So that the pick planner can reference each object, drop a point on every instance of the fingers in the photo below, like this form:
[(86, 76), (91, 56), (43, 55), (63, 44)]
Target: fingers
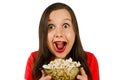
[(45, 77), (82, 71), (43, 73), (79, 77), (83, 75)]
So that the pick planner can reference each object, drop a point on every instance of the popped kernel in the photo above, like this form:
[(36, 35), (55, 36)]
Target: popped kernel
[(61, 69)]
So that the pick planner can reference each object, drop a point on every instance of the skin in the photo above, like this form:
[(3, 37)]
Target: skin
[(60, 28), (83, 75)]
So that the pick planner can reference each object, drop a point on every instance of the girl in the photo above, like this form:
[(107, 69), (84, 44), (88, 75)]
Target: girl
[(59, 38)]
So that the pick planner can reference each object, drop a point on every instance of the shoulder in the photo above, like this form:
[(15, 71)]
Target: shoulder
[(29, 65), (34, 54), (91, 58), (89, 54), (93, 65)]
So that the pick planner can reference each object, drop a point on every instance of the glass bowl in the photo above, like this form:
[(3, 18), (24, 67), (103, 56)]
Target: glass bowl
[(62, 74)]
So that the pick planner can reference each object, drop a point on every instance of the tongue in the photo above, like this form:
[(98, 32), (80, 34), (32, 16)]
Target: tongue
[(60, 45)]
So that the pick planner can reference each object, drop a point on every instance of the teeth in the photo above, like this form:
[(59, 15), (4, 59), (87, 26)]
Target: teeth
[(55, 46), (59, 45)]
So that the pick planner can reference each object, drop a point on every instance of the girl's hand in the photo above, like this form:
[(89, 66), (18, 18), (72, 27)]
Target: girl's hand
[(83, 75), (45, 77)]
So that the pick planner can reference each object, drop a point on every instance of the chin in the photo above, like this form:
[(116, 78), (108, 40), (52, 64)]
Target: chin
[(61, 56)]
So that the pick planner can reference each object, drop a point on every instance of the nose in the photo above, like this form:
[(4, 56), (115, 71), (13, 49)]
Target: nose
[(59, 33)]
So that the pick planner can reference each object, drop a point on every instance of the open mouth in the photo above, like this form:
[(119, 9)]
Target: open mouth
[(60, 46)]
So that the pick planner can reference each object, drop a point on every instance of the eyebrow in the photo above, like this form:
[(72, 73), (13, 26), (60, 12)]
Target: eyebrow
[(64, 19), (67, 19)]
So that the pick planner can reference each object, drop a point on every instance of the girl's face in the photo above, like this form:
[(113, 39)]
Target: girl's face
[(61, 35)]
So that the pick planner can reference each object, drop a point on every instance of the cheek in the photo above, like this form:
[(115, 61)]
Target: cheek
[(49, 38), (70, 35)]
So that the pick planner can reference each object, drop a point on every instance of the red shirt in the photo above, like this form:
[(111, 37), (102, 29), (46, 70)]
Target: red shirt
[(92, 62)]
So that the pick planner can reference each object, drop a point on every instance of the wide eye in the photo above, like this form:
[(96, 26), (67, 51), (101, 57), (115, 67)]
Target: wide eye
[(66, 25), (51, 26)]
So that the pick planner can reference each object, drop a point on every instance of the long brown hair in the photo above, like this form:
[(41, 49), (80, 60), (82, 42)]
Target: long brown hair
[(44, 55)]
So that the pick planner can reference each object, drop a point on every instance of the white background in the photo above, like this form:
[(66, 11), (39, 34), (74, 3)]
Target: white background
[(99, 23)]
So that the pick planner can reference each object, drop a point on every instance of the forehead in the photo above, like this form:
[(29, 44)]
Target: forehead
[(60, 14)]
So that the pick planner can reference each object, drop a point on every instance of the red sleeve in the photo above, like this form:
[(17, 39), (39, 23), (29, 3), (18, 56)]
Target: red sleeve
[(93, 64), (29, 66)]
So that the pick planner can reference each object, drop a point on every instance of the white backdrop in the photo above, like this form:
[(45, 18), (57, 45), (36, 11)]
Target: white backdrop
[(99, 23)]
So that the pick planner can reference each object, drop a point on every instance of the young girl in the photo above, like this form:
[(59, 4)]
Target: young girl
[(59, 38)]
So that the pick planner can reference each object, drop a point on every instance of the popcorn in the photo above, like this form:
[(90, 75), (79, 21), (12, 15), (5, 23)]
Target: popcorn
[(61, 69)]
